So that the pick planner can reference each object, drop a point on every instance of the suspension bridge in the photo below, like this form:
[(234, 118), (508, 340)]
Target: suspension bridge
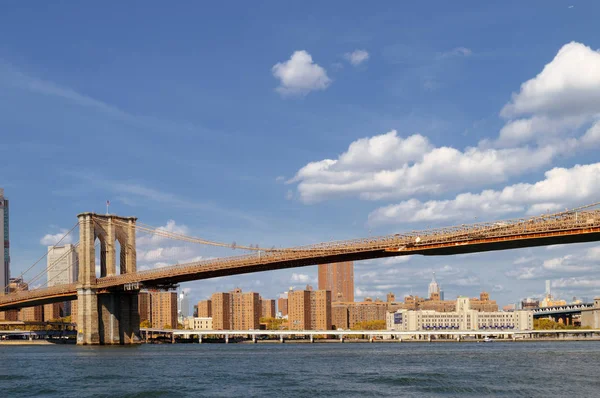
[(107, 303)]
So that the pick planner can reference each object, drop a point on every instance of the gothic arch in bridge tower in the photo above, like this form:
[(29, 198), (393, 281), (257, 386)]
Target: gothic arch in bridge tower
[(108, 316), (112, 231)]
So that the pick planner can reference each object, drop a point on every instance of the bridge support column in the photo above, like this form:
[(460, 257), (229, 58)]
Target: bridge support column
[(87, 316), (118, 318), (281, 339), (312, 338), (112, 317)]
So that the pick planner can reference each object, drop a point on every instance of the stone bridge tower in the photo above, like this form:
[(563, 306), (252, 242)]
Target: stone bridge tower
[(106, 317)]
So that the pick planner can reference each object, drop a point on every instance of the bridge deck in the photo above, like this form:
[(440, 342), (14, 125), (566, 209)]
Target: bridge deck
[(561, 228)]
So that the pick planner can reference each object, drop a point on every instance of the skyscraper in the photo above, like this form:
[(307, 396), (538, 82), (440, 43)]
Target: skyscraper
[(62, 265), (4, 243), (183, 304), (434, 287), (339, 279)]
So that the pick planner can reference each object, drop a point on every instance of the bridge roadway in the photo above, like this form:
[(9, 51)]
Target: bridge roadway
[(560, 228)]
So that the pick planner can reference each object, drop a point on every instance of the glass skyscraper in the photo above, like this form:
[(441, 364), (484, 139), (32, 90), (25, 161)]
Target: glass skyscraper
[(5, 242)]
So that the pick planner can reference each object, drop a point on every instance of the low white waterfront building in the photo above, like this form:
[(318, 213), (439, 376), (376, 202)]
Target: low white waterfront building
[(464, 318), (201, 323)]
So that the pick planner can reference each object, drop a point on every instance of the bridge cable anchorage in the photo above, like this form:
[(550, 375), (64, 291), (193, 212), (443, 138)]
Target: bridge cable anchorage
[(45, 271), (46, 254)]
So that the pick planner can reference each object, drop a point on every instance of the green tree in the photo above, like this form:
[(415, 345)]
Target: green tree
[(145, 323)]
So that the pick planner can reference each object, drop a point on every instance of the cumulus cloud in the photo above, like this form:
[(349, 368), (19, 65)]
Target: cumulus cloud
[(579, 282), (53, 239), (155, 251), (357, 57), (563, 97), (562, 188), (542, 123), (145, 239), (389, 166), (300, 75), (584, 262), (570, 83), (302, 278)]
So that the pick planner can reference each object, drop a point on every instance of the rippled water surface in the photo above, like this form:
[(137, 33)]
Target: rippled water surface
[(303, 370)]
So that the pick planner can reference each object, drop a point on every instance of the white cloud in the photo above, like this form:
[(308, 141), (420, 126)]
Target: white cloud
[(554, 114), (146, 239), (357, 57), (300, 75), (562, 188), (580, 282), (468, 281), (389, 166), (302, 278), (525, 273), (570, 84), (53, 239), (563, 97), (568, 263)]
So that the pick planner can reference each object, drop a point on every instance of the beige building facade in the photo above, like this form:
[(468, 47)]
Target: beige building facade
[(163, 309), (267, 308), (205, 309), (464, 318), (221, 311), (201, 323), (299, 310)]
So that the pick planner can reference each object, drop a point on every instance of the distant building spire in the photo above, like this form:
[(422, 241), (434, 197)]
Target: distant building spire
[(434, 287)]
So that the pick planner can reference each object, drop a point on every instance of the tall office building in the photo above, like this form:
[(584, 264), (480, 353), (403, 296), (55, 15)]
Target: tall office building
[(339, 279), (62, 265), (183, 306), (4, 243), (434, 288)]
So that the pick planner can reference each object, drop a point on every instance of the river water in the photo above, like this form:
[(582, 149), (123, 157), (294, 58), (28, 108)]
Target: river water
[(528, 369)]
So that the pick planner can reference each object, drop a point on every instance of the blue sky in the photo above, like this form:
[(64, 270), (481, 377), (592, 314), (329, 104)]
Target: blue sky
[(288, 124)]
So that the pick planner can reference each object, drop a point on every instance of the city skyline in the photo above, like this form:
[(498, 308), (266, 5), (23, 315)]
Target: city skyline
[(392, 124)]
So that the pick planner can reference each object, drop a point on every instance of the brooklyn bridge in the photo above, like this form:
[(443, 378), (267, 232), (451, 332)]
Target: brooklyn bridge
[(108, 300)]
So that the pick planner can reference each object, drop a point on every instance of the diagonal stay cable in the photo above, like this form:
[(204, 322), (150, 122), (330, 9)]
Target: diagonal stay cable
[(44, 256)]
